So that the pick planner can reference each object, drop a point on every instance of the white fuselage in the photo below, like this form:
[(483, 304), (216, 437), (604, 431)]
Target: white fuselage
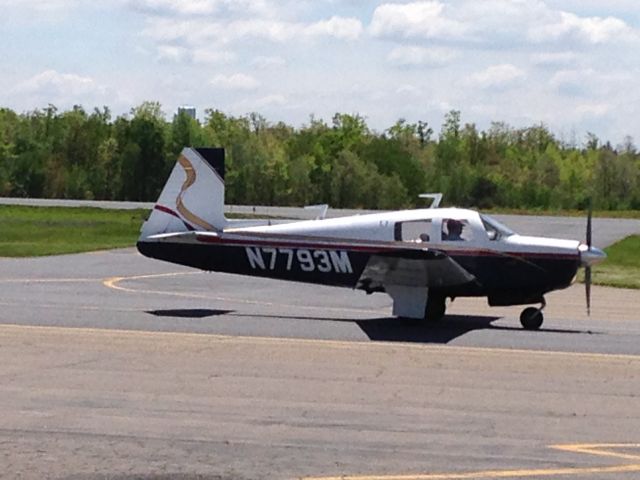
[(382, 227)]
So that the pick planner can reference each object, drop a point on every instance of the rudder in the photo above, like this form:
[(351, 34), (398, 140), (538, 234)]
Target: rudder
[(193, 197)]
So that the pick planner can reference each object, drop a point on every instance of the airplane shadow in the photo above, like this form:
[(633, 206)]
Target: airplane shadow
[(392, 329), (389, 329), (189, 313)]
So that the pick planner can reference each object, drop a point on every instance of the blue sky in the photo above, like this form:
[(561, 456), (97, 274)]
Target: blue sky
[(572, 64)]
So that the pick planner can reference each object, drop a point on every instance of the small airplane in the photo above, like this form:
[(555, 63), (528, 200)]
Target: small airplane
[(420, 257)]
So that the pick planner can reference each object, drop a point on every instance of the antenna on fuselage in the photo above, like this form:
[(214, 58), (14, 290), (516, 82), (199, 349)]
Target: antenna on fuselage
[(322, 208), (436, 197)]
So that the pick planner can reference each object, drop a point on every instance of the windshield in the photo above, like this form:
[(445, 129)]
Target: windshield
[(495, 229)]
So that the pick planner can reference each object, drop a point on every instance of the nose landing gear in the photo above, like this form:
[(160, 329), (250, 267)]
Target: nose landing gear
[(532, 318)]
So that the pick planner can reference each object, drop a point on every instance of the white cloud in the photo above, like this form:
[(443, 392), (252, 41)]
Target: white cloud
[(40, 5), (554, 59), (273, 30), (593, 109), (33, 12), (426, 19), (195, 32), (179, 7), (171, 52), (628, 6), (272, 103), (212, 55), (413, 55), (50, 79), (268, 62), (235, 81), (275, 99), (498, 77), (198, 7), (409, 90), (495, 22), (337, 27), (63, 90), (592, 30), (180, 54)]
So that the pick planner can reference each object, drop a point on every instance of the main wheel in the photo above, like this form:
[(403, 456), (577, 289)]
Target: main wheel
[(531, 318), (435, 308)]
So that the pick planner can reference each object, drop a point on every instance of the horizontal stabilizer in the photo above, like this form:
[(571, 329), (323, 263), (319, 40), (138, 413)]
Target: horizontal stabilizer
[(180, 237)]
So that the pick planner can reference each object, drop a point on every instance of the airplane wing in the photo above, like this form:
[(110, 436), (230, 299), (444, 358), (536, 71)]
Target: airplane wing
[(412, 268)]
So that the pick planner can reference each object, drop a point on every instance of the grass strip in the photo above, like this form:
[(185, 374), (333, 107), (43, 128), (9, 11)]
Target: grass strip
[(36, 231), (27, 231), (622, 267)]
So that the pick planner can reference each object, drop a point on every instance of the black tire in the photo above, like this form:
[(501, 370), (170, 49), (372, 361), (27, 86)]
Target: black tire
[(531, 318), (436, 307)]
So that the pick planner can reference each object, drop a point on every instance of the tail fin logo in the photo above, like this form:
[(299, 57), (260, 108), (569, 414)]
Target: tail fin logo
[(189, 181)]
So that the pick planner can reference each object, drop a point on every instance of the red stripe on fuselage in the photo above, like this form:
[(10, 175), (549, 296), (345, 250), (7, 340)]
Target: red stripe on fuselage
[(280, 243)]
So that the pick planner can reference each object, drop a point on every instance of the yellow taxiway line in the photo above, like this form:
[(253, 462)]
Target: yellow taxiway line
[(591, 449), (601, 449), (114, 283)]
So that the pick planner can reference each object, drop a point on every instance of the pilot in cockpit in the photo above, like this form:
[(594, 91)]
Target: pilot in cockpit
[(454, 230)]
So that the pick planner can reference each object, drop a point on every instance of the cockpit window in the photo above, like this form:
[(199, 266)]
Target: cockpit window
[(417, 231), (454, 230), (495, 229)]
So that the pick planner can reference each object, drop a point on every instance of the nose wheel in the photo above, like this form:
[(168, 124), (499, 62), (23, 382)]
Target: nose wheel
[(532, 318)]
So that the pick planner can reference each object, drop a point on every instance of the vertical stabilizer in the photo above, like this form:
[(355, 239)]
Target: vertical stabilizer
[(193, 197)]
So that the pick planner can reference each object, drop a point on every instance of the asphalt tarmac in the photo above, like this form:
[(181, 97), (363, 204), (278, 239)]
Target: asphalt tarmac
[(117, 366)]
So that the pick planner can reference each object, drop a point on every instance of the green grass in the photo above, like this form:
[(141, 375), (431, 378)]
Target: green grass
[(622, 266), (37, 231)]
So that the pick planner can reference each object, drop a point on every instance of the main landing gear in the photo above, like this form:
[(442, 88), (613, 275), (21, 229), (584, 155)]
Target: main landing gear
[(531, 318), (435, 309)]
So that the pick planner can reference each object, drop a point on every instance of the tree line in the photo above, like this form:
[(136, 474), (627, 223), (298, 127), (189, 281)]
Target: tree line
[(90, 155)]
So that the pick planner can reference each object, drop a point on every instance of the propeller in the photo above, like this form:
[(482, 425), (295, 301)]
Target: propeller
[(587, 270), (589, 215), (589, 256)]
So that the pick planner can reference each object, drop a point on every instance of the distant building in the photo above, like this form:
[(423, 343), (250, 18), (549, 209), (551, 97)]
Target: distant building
[(188, 109)]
